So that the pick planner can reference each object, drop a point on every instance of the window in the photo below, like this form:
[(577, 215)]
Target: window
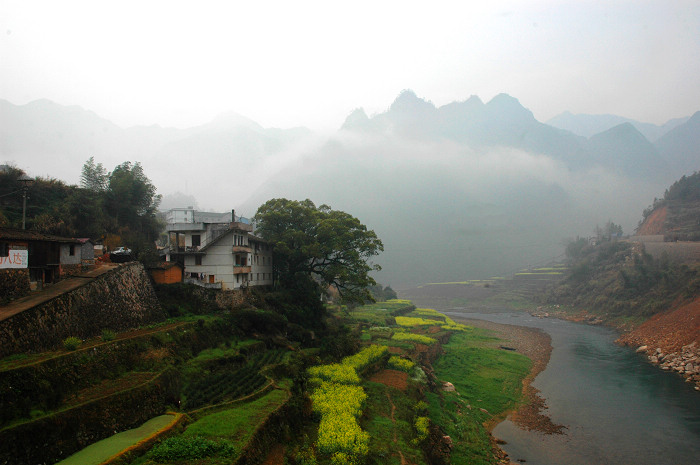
[(197, 259), (71, 250), (238, 278), (196, 240), (4, 249)]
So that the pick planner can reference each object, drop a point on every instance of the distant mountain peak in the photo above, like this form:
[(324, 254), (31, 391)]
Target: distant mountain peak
[(509, 108), (474, 100), (231, 119), (358, 119), (626, 130), (409, 102)]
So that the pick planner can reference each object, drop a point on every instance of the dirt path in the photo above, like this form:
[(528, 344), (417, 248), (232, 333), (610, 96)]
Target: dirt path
[(393, 420)]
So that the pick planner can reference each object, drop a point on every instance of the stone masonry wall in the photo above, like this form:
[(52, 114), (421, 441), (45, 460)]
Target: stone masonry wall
[(118, 300), (14, 283)]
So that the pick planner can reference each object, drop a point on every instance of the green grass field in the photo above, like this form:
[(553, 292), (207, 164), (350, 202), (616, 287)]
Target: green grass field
[(239, 422), (100, 451), (485, 378), (388, 419)]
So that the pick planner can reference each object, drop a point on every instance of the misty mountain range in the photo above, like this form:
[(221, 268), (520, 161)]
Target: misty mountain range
[(465, 190)]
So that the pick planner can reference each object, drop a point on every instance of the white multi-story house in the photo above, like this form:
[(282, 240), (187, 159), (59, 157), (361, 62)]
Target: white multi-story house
[(218, 250)]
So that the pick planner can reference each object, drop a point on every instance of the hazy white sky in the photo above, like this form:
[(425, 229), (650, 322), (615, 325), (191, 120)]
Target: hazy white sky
[(288, 63)]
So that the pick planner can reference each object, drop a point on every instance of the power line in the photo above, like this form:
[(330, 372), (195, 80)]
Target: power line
[(5, 195)]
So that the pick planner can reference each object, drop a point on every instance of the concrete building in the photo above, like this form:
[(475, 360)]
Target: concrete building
[(217, 250)]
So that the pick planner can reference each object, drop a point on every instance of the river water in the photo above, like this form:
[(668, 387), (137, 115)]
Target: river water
[(617, 408)]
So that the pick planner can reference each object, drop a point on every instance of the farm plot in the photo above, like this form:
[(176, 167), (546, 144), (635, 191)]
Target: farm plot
[(229, 384)]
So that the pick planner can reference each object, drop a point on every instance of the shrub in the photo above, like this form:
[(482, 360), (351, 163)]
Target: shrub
[(335, 373), (262, 321), (401, 364), (71, 343), (306, 456), (108, 335), (456, 327), (427, 312), (421, 425), (337, 399), (419, 376), (420, 406), (366, 357), (413, 338), (341, 458), (340, 403), (413, 321), (195, 447), (342, 433)]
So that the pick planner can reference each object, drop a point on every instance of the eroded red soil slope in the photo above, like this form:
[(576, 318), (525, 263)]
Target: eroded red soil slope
[(670, 330), (654, 224)]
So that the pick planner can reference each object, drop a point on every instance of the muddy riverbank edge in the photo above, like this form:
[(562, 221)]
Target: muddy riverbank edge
[(536, 345)]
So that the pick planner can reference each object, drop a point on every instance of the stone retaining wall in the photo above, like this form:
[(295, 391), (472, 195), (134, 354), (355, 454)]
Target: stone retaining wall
[(14, 283), (118, 300), (55, 437)]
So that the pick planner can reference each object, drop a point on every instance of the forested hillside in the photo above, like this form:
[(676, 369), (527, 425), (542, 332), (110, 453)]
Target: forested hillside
[(119, 206), (618, 280)]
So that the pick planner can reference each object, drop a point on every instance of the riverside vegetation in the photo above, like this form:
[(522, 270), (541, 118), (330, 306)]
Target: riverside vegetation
[(367, 387)]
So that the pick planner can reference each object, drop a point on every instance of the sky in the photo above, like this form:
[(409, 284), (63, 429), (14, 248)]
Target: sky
[(311, 63)]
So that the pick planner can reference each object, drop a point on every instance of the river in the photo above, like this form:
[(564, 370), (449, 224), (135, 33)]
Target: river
[(617, 408)]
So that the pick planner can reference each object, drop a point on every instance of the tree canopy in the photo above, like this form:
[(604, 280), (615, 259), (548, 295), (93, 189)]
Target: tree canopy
[(329, 245), (120, 206), (93, 177)]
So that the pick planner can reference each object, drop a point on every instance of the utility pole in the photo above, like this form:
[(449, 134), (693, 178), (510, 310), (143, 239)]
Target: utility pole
[(25, 181)]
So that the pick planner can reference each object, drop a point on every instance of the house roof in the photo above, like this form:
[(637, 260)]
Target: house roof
[(255, 238), (11, 234)]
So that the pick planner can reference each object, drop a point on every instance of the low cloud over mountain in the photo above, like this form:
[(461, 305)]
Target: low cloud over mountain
[(465, 190)]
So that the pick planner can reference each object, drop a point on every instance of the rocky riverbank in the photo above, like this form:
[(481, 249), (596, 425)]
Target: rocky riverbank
[(670, 340), (685, 362)]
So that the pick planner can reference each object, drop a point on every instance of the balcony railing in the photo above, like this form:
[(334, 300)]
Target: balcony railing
[(238, 269)]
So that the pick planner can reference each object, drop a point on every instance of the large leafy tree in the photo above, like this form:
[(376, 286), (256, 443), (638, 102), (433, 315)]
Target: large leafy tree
[(132, 200), (330, 246)]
